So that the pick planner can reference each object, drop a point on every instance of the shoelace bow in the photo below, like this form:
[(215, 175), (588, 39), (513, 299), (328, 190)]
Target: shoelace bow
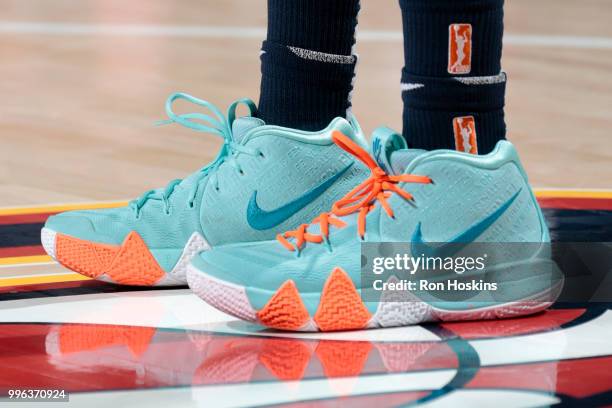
[(363, 198), (218, 124)]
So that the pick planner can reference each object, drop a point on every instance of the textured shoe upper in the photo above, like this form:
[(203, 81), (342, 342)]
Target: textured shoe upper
[(289, 175), (465, 190), (298, 177)]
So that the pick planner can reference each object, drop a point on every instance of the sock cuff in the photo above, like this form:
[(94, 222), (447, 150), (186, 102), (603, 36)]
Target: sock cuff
[(447, 38), (319, 25), (304, 65), (476, 94)]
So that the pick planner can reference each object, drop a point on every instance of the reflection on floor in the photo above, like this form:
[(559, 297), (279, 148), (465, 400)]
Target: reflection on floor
[(110, 345)]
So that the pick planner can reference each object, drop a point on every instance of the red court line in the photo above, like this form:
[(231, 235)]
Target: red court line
[(549, 320), (22, 251), (24, 218), (580, 378), (575, 203), (41, 287)]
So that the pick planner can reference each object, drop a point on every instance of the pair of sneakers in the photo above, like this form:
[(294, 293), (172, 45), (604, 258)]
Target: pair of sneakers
[(271, 230)]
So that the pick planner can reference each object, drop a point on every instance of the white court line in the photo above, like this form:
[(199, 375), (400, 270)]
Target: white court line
[(22, 265), (240, 32), (64, 204), (38, 275)]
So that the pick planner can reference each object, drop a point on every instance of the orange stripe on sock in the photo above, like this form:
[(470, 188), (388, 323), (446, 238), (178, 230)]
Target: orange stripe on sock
[(285, 309), (341, 307)]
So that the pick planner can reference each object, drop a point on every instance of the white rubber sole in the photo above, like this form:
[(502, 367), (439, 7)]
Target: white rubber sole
[(176, 277), (232, 299)]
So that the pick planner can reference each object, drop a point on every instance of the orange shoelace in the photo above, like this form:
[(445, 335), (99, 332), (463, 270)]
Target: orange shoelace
[(363, 198)]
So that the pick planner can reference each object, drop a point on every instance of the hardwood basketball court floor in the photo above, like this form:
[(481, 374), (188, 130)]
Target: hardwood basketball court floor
[(82, 84)]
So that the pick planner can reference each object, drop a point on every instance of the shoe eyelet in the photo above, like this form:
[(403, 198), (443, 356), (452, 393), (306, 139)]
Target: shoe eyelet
[(261, 154), (241, 172)]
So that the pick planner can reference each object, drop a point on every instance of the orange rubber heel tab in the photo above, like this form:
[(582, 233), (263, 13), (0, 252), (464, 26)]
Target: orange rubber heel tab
[(87, 258), (285, 309), (129, 264), (341, 307)]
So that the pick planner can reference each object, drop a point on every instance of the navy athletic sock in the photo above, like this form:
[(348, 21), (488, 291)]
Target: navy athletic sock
[(307, 63), (452, 85)]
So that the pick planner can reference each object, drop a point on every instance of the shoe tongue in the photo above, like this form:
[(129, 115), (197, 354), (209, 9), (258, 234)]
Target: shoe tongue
[(385, 142), (391, 151), (243, 125)]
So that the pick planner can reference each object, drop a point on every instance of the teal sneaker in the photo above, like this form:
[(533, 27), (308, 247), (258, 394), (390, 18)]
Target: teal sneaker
[(265, 179), (310, 278)]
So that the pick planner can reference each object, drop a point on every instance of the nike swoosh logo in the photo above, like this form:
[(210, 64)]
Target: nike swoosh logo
[(465, 237), (262, 220)]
